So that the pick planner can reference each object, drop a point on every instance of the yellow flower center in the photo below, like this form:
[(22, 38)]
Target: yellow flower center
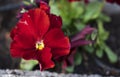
[(40, 45)]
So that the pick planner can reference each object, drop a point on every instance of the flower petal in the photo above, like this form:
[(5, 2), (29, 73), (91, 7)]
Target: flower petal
[(40, 20), (19, 50), (44, 6), (45, 58), (56, 40), (24, 53), (23, 40), (55, 21), (25, 35), (58, 52), (13, 32), (15, 52), (29, 54)]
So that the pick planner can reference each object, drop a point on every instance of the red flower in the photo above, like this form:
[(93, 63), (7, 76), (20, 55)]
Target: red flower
[(38, 36)]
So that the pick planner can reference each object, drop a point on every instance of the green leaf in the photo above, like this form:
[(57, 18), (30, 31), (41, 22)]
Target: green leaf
[(26, 2), (54, 9), (104, 18), (102, 33), (77, 58), (70, 69), (111, 55), (76, 10), (93, 10), (89, 49), (99, 53), (79, 26), (94, 35), (28, 64)]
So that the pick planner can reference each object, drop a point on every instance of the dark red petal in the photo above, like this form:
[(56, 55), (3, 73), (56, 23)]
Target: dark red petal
[(44, 6), (26, 24), (58, 52), (29, 54), (22, 43), (55, 21), (13, 32), (26, 20), (17, 49), (40, 20), (14, 51), (24, 53), (56, 40), (45, 58), (24, 39), (25, 35)]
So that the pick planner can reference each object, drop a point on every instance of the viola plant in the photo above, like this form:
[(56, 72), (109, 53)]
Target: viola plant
[(76, 15), (59, 34), (38, 36)]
